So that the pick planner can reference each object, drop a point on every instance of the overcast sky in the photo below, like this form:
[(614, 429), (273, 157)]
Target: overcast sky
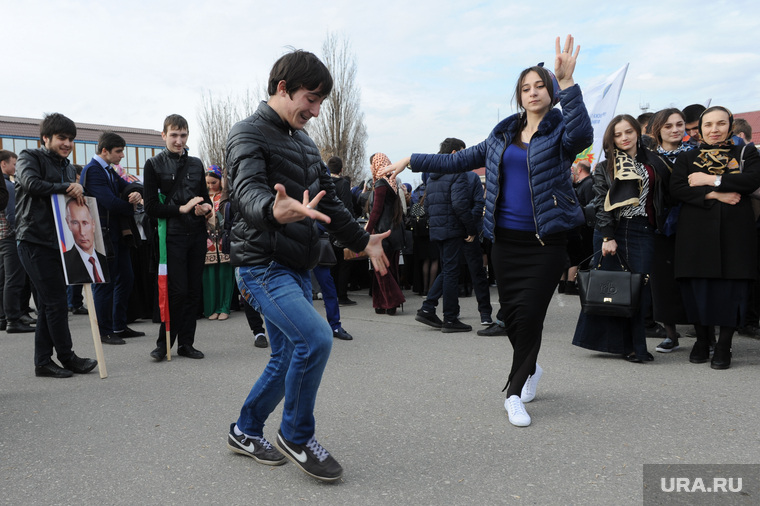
[(427, 69)]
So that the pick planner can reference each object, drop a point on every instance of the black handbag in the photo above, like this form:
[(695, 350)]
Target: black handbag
[(326, 252), (610, 293)]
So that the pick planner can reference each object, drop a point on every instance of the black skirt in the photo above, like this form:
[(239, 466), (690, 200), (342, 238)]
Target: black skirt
[(667, 304), (720, 302)]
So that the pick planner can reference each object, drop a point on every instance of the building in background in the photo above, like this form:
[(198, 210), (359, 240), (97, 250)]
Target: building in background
[(17, 134)]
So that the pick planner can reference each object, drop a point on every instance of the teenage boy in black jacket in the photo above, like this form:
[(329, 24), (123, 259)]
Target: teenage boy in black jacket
[(280, 187), (41, 173)]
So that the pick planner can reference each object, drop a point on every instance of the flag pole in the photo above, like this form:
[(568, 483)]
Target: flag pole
[(163, 282)]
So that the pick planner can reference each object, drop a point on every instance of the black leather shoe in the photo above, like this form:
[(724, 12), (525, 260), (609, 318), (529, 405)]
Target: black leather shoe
[(112, 339), (52, 370), (189, 352), (158, 354), (79, 310), (346, 302), (493, 330), (3, 324), (339, 333), (25, 318), (18, 327), (80, 365), (721, 359), (127, 332), (699, 354)]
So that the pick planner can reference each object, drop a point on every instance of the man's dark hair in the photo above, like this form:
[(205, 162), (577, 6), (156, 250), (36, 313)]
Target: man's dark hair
[(175, 121), (6, 155), (451, 144), (78, 168), (57, 124), (300, 69), (584, 166), (110, 141), (691, 113), (741, 125), (335, 164), (644, 120)]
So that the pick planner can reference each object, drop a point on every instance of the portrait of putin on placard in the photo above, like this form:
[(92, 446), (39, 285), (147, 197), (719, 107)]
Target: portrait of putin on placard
[(81, 240)]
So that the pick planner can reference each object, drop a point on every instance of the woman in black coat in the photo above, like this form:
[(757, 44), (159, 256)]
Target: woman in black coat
[(716, 250)]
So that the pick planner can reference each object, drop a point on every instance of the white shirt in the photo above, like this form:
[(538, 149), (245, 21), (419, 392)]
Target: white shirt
[(86, 259)]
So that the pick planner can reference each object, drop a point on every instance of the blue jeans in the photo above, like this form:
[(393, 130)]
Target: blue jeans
[(301, 341), (329, 295), (74, 296)]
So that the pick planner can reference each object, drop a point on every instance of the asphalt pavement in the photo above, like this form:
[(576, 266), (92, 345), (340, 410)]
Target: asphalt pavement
[(413, 415)]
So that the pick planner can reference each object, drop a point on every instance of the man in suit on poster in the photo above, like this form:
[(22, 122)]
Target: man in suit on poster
[(83, 263)]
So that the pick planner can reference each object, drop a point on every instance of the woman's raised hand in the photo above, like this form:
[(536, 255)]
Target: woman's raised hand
[(564, 62), (394, 169)]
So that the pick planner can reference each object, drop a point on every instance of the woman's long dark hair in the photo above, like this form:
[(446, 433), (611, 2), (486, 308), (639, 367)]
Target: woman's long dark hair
[(608, 141)]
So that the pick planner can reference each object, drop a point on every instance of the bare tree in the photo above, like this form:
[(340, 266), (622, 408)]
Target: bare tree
[(339, 130), (217, 115)]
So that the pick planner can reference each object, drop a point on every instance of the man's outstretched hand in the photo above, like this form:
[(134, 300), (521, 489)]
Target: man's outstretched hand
[(289, 210), (376, 254)]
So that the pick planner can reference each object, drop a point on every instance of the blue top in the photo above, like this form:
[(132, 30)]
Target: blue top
[(514, 209)]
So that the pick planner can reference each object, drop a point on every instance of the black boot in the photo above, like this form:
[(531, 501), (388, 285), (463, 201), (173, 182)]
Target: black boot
[(722, 357), (700, 353)]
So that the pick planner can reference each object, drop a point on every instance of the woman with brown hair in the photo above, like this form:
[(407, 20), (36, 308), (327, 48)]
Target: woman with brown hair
[(667, 127), (625, 184)]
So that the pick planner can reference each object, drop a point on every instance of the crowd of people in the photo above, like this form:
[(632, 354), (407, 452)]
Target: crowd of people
[(272, 216)]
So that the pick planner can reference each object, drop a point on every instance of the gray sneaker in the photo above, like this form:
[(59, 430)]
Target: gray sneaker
[(258, 448)]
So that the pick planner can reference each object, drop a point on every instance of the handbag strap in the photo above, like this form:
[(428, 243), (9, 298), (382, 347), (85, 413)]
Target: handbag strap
[(620, 258)]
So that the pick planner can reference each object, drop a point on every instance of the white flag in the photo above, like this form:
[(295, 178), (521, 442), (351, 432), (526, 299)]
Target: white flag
[(601, 100)]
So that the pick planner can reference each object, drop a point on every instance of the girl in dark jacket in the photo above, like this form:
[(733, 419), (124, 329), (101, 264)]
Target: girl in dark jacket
[(624, 186), (716, 250), (386, 214), (667, 127), (530, 206)]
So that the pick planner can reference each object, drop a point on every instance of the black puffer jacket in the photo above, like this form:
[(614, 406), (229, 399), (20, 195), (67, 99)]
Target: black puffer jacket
[(262, 151), (39, 174)]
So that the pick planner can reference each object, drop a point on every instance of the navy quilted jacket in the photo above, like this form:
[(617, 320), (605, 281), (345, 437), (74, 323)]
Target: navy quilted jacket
[(449, 204), (560, 137)]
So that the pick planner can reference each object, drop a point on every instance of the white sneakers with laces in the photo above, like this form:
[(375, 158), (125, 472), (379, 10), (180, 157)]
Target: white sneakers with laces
[(516, 411), (529, 388)]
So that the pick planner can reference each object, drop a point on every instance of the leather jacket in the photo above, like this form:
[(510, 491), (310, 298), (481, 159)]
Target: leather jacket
[(39, 174), (159, 174)]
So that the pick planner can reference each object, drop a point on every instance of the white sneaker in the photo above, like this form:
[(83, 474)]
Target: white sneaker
[(529, 388), (516, 411)]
